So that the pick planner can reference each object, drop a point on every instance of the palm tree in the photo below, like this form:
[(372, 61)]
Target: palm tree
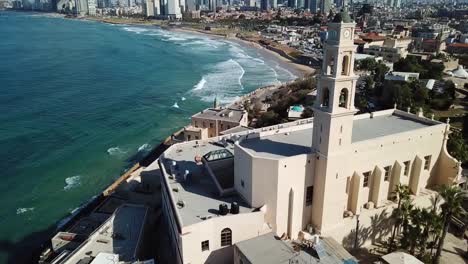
[(427, 218), (452, 206), (402, 193), (405, 220)]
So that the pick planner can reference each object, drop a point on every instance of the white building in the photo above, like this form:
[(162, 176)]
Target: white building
[(173, 9), (310, 175), (402, 76)]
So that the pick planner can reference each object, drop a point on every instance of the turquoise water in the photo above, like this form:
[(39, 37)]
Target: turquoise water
[(79, 99)]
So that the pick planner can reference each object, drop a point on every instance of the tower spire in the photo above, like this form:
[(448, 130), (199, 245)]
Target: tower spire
[(334, 106)]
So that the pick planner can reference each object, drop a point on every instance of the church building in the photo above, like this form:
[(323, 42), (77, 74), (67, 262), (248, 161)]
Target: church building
[(308, 176)]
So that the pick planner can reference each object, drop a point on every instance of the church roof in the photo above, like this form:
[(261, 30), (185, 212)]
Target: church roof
[(281, 145)]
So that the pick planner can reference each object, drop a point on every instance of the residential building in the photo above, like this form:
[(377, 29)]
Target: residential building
[(173, 9), (92, 7), (402, 76), (150, 8), (392, 49), (212, 121), (310, 176)]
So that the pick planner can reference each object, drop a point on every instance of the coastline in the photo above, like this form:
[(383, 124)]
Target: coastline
[(95, 201), (299, 70)]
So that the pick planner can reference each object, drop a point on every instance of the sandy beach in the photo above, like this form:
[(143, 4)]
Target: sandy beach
[(297, 69)]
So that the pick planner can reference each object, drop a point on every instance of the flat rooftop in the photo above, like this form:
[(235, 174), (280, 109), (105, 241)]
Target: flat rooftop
[(119, 235), (223, 114), (385, 125), (280, 145), (299, 142), (198, 191), (269, 248)]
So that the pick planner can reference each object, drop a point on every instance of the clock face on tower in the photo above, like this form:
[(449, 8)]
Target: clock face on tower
[(346, 33)]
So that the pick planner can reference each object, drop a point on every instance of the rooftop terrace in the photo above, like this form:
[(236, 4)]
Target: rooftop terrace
[(197, 191), (119, 235)]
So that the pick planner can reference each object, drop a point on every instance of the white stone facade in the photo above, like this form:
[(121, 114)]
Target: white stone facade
[(311, 174)]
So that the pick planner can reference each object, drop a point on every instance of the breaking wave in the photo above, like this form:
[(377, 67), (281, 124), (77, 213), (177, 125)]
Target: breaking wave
[(72, 182), (223, 80), (199, 85), (137, 30)]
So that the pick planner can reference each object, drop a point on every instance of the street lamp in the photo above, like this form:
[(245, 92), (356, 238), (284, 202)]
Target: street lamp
[(357, 229)]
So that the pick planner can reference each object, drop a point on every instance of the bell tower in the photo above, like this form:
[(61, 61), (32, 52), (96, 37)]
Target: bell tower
[(334, 105), (333, 124)]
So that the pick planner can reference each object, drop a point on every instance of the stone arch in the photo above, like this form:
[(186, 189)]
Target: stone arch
[(344, 96), (325, 97), (345, 67)]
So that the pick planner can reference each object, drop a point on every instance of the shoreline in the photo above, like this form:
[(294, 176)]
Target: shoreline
[(94, 202), (299, 70)]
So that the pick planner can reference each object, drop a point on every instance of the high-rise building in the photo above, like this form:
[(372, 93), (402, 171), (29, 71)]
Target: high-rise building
[(325, 7), (292, 3), (81, 7), (173, 9), (149, 8), (274, 4), (300, 4), (92, 7), (313, 6), (264, 5)]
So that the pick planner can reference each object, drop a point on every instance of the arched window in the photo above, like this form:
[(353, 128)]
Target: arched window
[(343, 98), (345, 65), (331, 65), (325, 97), (226, 237)]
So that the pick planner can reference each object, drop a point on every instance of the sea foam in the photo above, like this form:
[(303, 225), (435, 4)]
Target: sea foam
[(24, 210), (223, 80), (144, 147), (200, 84), (115, 151), (72, 182), (135, 29)]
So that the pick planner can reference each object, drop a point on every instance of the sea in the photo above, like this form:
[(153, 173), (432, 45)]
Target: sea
[(82, 101)]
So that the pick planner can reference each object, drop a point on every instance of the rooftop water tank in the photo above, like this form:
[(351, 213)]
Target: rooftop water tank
[(223, 209), (234, 208)]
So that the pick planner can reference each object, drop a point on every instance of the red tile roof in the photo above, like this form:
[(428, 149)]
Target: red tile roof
[(372, 36), (459, 45)]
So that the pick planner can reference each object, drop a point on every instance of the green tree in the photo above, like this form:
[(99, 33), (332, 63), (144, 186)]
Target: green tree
[(369, 86), (420, 93), (465, 127), (452, 206), (457, 147), (379, 72), (402, 194), (367, 64)]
